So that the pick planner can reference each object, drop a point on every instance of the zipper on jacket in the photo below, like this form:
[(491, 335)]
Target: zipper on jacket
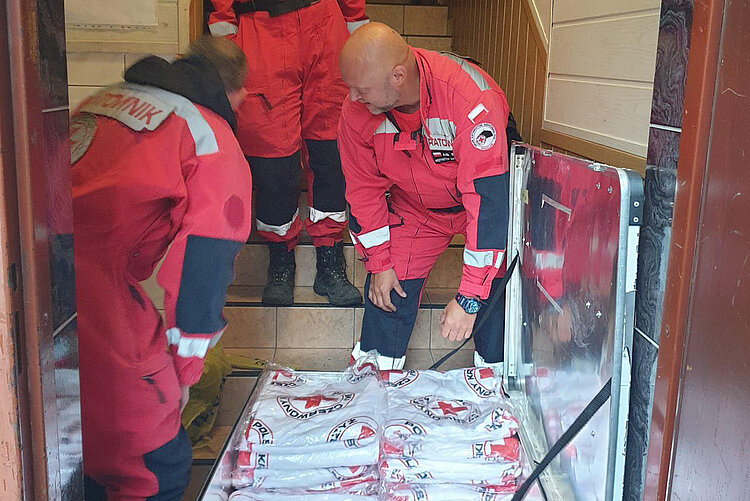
[(266, 102), (151, 382)]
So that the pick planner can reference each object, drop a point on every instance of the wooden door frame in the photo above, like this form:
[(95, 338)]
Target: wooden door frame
[(36, 377), (691, 168)]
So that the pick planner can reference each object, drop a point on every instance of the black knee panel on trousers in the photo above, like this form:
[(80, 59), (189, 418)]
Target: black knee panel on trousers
[(276, 184), (328, 182), (389, 332), (171, 463)]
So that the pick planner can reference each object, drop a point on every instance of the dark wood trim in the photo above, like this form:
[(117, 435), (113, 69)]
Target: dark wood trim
[(196, 19), (36, 336), (16, 460), (594, 151), (696, 129)]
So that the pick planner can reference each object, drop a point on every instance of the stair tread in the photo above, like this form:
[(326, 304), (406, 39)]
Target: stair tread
[(217, 438), (250, 295), (306, 240)]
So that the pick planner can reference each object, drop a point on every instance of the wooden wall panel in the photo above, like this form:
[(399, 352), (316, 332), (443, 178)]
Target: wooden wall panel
[(503, 37), (570, 10), (601, 71), (621, 48)]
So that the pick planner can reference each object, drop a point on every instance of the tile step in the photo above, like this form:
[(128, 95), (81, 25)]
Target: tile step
[(319, 328)]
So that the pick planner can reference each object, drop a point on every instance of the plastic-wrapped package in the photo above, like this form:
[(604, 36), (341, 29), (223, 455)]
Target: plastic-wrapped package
[(248, 495), (364, 434), (416, 413), (474, 384), (497, 451), (361, 491), (445, 492), (312, 479), (301, 411), (312, 430), (434, 471)]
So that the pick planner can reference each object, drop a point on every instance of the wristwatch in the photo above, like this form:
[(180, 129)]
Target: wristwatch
[(469, 304)]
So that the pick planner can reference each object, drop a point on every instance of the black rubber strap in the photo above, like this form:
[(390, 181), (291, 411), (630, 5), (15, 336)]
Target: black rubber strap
[(490, 304), (583, 418)]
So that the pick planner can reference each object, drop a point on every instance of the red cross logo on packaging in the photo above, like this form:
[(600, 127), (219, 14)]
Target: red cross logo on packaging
[(355, 432), (439, 409), (399, 379), (313, 405), (360, 372), (481, 381), (258, 432), (287, 379), (502, 419)]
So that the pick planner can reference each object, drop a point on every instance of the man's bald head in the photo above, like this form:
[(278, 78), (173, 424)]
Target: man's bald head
[(378, 67)]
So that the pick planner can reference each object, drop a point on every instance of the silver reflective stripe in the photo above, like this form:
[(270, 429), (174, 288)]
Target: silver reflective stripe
[(386, 127), (470, 70), (440, 127), (318, 215), (279, 230), (546, 260), (353, 25), (222, 28), (375, 237), (188, 346), (384, 363), (203, 135), (499, 261), (478, 259)]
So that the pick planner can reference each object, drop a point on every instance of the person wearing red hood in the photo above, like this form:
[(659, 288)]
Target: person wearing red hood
[(157, 173), (290, 118)]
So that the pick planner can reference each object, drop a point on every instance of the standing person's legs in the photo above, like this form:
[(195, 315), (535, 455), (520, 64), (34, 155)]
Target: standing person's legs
[(269, 131), (324, 30)]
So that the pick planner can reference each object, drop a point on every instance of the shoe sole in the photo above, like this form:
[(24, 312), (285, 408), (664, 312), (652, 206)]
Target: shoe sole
[(320, 292)]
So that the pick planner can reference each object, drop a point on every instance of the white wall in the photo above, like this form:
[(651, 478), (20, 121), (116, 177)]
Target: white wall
[(602, 55)]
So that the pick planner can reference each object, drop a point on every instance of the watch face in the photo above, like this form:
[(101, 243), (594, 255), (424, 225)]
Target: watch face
[(470, 305)]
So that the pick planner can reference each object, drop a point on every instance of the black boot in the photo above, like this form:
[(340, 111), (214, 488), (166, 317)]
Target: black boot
[(331, 281), (279, 290)]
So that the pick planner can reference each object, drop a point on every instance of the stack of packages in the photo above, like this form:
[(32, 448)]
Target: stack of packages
[(448, 436), (312, 436)]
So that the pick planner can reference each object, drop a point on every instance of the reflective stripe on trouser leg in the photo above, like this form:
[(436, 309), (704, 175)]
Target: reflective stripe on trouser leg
[(489, 339), (277, 187), (326, 187), (384, 363), (388, 332)]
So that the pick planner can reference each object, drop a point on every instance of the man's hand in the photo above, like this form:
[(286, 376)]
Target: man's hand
[(455, 323), (184, 397), (381, 285)]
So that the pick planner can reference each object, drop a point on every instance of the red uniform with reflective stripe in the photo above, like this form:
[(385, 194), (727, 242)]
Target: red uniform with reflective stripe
[(295, 93), (457, 161), (295, 88), (155, 171)]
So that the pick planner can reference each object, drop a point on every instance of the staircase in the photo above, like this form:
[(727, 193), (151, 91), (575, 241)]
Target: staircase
[(311, 334)]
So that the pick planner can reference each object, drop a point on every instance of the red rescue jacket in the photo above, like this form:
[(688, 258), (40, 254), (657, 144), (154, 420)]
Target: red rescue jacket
[(461, 159)]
